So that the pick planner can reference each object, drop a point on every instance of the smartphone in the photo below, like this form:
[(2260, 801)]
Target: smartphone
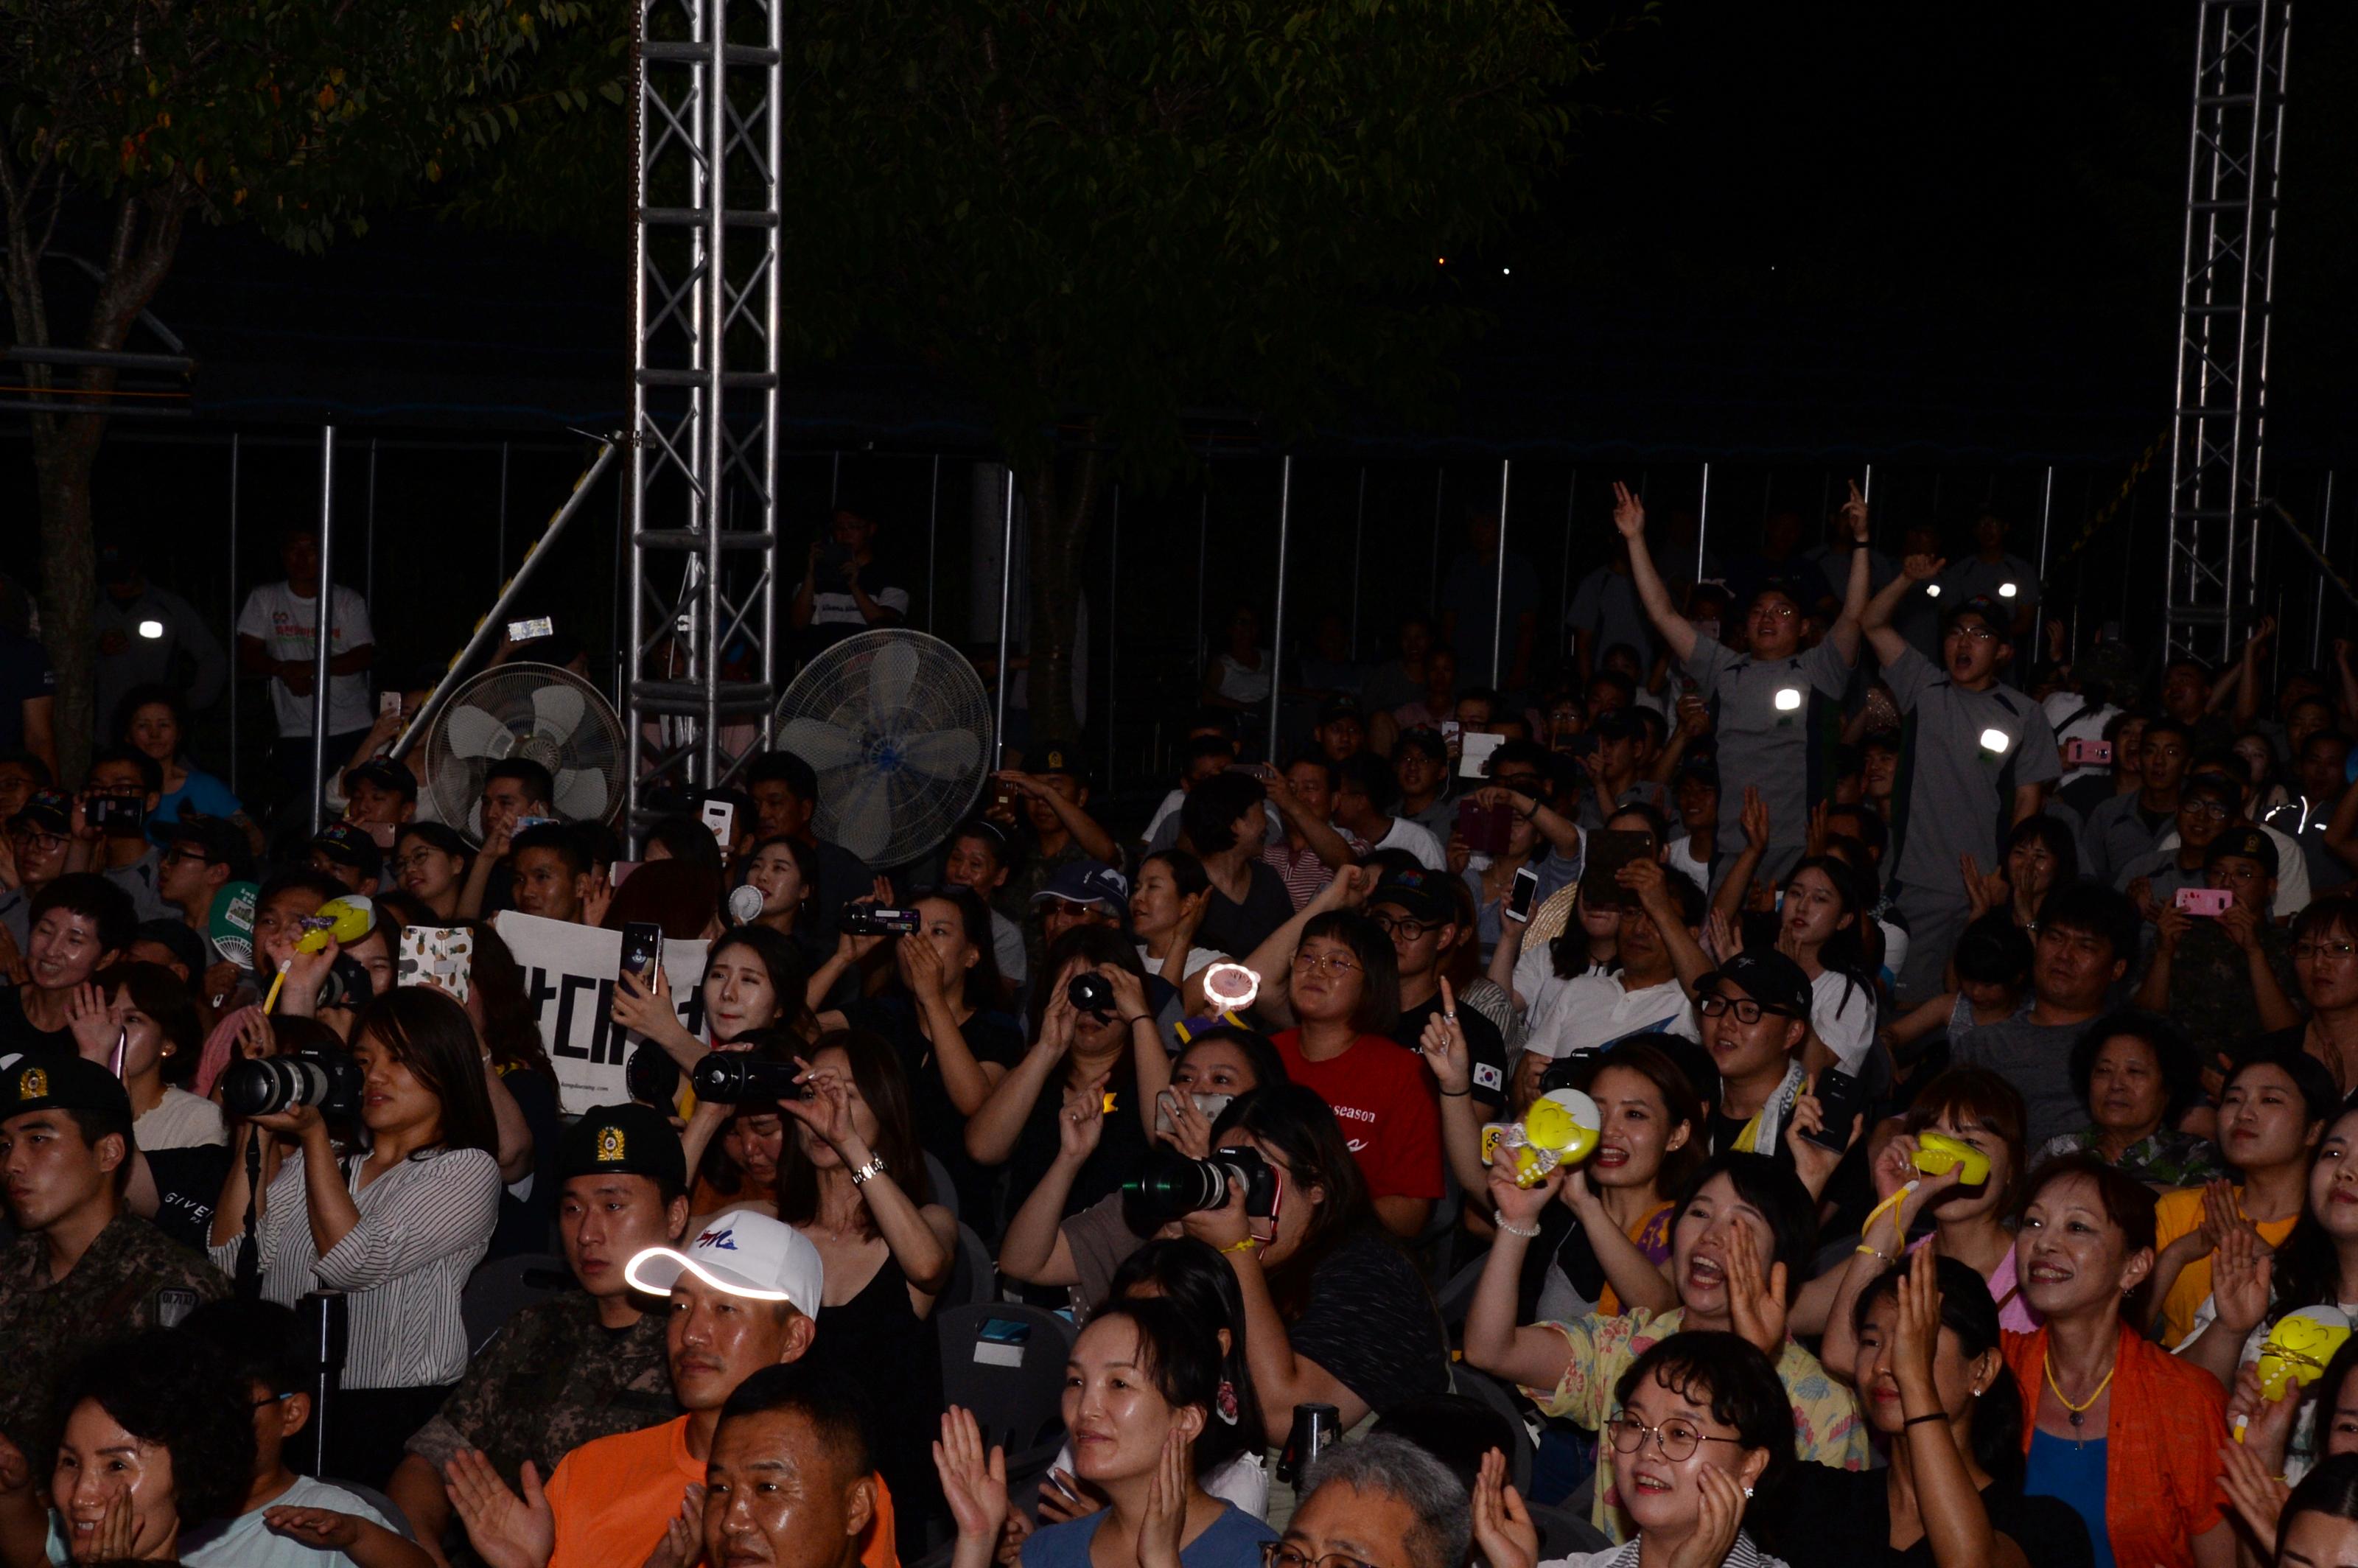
[(642, 948), (2203, 902), (1005, 1331), (526, 631), (382, 834), (387, 703), (1486, 829), (117, 815), (1842, 1099), (721, 815), (1608, 852), (1522, 895), (1208, 1105), (525, 823), (1003, 795), (1474, 755), (1451, 730), (2088, 753)]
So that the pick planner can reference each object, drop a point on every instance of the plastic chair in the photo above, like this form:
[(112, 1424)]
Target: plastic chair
[(397, 1521), (1496, 1396), (496, 1290), (945, 1190), (1016, 1389), (974, 1273), (1455, 1296), (1564, 1533)]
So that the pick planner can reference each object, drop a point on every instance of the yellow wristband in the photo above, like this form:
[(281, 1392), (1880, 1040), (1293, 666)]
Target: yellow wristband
[(1249, 1244), (1874, 1251)]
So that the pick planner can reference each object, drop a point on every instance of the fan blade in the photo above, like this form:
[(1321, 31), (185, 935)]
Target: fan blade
[(863, 822), (944, 753), (581, 795), (821, 744), (472, 732), (556, 712), (891, 671)]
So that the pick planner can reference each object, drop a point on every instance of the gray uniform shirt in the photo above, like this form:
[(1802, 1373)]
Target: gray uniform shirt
[(2116, 834), (1954, 790), (1784, 752), (2036, 1058)]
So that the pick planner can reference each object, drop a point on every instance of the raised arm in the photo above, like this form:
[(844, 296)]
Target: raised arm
[(1914, 572), (1629, 517), (1532, 1354), (1272, 961), (1844, 634)]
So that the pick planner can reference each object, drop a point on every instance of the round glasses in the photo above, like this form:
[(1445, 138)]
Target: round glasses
[(1676, 1438)]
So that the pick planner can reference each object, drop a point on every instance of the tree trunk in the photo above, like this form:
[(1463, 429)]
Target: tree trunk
[(70, 582), (1062, 495)]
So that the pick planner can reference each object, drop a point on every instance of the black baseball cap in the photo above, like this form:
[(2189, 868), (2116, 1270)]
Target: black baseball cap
[(627, 1139), (51, 810), (54, 1081), (1993, 614), (176, 937), (1065, 763), (1345, 706), (350, 845), (1421, 894), (222, 841), (1768, 977), (2248, 842), (385, 774), (1616, 724), (1702, 768), (1424, 740)]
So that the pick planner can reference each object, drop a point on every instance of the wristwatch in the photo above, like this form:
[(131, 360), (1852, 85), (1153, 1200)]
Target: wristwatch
[(875, 1167)]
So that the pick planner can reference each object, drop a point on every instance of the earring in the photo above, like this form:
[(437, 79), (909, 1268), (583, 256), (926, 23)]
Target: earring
[(1748, 1491)]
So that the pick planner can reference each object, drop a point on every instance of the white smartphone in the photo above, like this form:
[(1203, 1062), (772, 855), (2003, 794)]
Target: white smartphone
[(721, 815)]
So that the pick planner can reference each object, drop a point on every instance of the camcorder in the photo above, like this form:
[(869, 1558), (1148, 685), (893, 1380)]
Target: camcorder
[(1092, 993), (329, 1081), (1171, 1185), (739, 1078), (868, 920)]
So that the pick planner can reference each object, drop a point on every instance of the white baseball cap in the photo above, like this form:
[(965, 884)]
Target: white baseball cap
[(743, 1254)]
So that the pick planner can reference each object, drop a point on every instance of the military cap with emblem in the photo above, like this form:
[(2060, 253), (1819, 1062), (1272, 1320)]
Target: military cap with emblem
[(58, 1082), (623, 1140)]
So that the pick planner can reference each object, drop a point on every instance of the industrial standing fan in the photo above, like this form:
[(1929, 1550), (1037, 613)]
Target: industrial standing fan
[(540, 712)]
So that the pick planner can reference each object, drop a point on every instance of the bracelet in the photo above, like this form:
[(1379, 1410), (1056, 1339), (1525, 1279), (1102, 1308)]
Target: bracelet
[(1250, 1244), (1456, 1093), (1920, 1420), (1141, 1017), (1528, 1233), (875, 1167), (1873, 1251)]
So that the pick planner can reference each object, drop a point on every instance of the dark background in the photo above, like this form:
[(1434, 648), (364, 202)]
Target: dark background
[(1795, 240)]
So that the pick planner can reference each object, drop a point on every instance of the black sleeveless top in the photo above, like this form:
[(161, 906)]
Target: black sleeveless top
[(899, 1363)]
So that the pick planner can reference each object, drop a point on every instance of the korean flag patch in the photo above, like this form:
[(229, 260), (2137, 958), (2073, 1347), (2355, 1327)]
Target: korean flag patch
[(1487, 1077)]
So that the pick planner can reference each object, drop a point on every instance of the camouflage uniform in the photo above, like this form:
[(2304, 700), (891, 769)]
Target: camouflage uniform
[(132, 1277), (554, 1379), (2211, 987)]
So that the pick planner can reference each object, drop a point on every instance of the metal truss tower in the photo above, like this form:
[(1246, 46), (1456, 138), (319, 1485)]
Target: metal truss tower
[(703, 402), (2223, 343)]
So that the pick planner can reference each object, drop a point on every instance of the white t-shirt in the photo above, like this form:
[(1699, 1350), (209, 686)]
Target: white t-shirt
[(1417, 840), (182, 1120), (285, 622), (246, 1542), (1007, 947), (1843, 1012), (1589, 1011), (2089, 725), (1681, 858), (1198, 958)]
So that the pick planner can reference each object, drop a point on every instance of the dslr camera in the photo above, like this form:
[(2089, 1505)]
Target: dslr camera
[(1092, 993), (327, 1080), (1171, 1185), (868, 920), (737, 1077)]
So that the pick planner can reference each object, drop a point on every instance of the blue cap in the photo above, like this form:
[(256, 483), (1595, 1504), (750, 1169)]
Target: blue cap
[(1087, 881)]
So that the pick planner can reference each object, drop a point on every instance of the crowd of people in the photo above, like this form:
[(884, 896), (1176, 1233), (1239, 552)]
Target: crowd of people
[(1972, 1023)]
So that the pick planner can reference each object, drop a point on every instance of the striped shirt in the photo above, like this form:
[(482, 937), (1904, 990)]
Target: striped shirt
[(423, 1225)]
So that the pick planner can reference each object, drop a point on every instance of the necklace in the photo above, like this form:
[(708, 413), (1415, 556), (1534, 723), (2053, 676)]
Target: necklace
[(2077, 1412)]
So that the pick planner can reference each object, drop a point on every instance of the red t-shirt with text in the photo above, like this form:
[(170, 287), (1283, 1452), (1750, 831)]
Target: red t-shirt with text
[(1383, 1096)]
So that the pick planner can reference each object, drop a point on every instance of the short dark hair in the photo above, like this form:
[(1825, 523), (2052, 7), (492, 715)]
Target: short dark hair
[(95, 899), (294, 879), (1727, 1374), (1782, 1200), (688, 841), (1994, 951), (1420, 739), (151, 771), (261, 1341), (559, 838), (1318, 759), (2173, 1054), (1179, 1353), (1371, 776), (2096, 909), (2320, 1101), (1209, 814), (1528, 753), (170, 1388), (1378, 1008), (2331, 1490), (431, 1035), (786, 768), (18, 757), (825, 1395), (537, 783)]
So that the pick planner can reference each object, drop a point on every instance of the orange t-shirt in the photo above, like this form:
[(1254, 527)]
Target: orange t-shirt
[(615, 1496)]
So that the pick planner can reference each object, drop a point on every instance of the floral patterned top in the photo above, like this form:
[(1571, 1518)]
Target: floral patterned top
[(2165, 1159), (1827, 1429)]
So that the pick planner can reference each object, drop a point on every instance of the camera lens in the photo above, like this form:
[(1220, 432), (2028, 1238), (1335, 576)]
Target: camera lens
[(1173, 1185), (736, 1077), (1091, 993), (271, 1085)]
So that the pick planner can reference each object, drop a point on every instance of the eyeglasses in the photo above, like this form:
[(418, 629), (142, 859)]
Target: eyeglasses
[(2215, 810), (1746, 1010), (1677, 1439), (268, 1399), (1782, 611), (33, 840), (2303, 952), (183, 855), (1974, 634), (415, 860), (1332, 963), (1277, 1555), (1400, 927)]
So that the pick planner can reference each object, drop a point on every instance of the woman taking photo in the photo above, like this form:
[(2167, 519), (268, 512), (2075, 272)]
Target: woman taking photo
[(2121, 1431), (1334, 1313), (1047, 1243), (753, 979), (1817, 928), (1933, 1383), (1971, 1106), (1117, 1052), (1166, 909), (2138, 1075), (1141, 1396), (852, 1179), (430, 863), (1745, 1233), (936, 1012), (1702, 1427), (395, 1229)]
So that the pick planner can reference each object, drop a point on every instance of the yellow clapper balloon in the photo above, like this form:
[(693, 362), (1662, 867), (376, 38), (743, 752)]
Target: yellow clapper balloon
[(2295, 1351), (1561, 1129)]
